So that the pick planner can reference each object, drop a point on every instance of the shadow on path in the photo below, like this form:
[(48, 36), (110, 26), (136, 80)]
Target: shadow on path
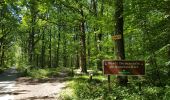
[(39, 89), (7, 84), (8, 75), (24, 88)]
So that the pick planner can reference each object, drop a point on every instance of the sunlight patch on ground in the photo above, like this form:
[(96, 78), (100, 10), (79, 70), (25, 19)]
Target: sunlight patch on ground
[(6, 90)]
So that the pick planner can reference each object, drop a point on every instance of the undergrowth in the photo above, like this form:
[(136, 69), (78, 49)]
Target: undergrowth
[(2, 69), (97, 89), (42, 73)]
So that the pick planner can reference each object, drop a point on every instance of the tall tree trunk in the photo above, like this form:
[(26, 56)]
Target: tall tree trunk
[(43, 49), (76, 39), (32, 33), (169, 52), (100, 34), (64, 51), (77, 59), (89, 48), (37, 60), (59, 36), (119, 44), (83, 43), (2, 55), (58, 46), (100, 38), (1, 50), (169, 59), (50, 59), (31, 45), (2, 31), (96, 39)]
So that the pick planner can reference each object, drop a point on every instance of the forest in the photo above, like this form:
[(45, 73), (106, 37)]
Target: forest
[(44, 37)]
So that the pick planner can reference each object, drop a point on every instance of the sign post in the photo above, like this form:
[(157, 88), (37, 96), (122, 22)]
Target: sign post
[(108, 81), (123, 67), (116, 37)]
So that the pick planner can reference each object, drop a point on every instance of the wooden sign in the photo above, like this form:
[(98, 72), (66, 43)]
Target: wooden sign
[(116, 37), (122, 67)]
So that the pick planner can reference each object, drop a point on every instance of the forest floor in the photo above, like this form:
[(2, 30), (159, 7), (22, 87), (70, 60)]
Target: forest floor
[(24, 88)]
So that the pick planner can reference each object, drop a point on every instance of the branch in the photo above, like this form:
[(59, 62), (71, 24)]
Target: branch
[(60, 2), (6, 33)]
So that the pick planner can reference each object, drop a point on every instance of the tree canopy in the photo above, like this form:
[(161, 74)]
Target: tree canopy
[(78, 34)]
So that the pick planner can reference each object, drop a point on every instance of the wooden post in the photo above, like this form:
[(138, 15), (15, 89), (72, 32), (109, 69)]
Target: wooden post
[(108, 82), (140, 88), (90, 76), (140, 84), (72, 71)]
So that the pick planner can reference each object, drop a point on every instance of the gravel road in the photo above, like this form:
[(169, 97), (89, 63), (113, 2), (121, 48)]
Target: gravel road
[(13, 88), (7, 84)]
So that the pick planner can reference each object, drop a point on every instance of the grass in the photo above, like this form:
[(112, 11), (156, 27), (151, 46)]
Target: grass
[(45, 72), (67, 94), (97, 89)]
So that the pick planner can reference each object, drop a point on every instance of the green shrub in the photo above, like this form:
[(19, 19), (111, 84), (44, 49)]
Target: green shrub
[(38, 73), (44, 73), (167, 93), (67, 94), (97, 89)]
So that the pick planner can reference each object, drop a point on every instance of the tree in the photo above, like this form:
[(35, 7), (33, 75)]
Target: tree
[(8, 25), (119, 44), (82, 41)]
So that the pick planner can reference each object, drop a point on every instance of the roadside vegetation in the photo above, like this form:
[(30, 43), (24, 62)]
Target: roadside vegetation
[(45, 73), (97, 89)]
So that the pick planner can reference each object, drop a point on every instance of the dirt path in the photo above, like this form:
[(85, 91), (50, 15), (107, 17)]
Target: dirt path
[(7, 84), (13, 88), (28, 89)]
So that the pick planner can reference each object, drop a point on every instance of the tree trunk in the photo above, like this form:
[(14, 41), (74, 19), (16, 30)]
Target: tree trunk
[(96, 37), (77, 59), (119, 44), (77, 51), (169, 59), (31, 45), (64, 51), (37, 60), (83, 43), (59, 36), (32, 33), (1, 50), (100, 39), (58, 47), (50, 61), (43, 49), (88, 50), (2, 55)]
